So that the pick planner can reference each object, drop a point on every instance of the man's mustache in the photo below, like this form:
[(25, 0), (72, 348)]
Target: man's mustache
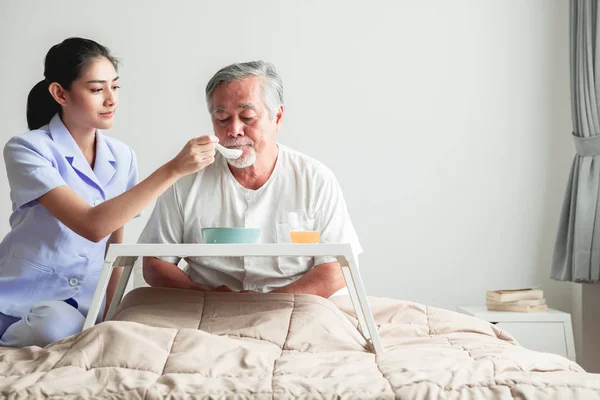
[(237, 143)]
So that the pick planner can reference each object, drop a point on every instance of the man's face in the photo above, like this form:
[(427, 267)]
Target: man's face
[(241, 119)]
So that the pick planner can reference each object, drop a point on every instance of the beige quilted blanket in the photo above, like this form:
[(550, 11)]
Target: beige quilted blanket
[(180, 344)]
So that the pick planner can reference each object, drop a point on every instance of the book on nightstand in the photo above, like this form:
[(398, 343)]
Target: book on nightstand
[(516, 300)]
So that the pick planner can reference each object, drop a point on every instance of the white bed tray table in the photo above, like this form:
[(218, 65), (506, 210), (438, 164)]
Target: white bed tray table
[(125, 255)]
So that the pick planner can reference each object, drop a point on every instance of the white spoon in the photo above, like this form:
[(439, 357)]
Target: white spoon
[(228, 153)]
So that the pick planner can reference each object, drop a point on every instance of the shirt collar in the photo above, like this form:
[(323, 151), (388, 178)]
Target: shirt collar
[(104, 164)]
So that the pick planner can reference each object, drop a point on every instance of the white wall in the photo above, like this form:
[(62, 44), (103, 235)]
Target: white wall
[(447, 123)]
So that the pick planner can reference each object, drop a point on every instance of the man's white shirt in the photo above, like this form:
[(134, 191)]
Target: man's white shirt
[(213, 198)]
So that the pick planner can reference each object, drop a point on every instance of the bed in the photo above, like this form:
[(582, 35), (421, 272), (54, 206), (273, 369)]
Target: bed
[(169, 343)]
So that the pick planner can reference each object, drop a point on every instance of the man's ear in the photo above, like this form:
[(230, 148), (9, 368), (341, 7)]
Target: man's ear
[(58, 92), (279, 116)]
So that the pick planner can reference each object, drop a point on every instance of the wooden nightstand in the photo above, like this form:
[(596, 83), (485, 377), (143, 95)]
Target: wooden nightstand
[(548, 332)]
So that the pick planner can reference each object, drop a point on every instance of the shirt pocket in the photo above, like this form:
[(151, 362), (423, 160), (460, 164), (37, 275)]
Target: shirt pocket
[(290, 266)]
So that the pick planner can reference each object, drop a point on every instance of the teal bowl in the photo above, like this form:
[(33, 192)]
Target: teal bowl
[(231, 235)]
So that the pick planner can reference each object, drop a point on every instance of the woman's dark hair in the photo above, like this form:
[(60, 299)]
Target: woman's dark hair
[(64, 63)]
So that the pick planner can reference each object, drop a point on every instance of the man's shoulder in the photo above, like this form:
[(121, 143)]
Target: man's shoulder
[(184, 184), (304, 163)]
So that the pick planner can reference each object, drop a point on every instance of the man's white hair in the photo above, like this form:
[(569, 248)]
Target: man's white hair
[(272, 85)]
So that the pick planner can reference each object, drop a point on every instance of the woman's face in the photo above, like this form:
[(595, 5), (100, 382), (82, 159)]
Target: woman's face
[(92, 100)]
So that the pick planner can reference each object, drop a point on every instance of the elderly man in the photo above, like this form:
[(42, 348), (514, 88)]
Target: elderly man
[(267, 185)]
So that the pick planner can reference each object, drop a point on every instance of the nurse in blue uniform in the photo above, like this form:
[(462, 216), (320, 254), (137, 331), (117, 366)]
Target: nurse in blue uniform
[(72, 189)]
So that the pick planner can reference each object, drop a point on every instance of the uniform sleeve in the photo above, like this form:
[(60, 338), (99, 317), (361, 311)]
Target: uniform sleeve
[(165, 225), (132, 180), (133, 171), (31, 173), (334, 221)]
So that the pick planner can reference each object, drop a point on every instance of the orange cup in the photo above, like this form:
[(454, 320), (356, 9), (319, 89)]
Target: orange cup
[(305, 236)]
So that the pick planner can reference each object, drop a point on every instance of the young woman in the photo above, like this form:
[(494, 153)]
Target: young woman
[(72, 190)]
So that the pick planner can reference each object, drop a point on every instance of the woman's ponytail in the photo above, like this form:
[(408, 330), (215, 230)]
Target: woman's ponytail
[(41, 106)]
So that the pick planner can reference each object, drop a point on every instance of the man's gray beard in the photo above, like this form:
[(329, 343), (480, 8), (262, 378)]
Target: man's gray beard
[(244, 161)]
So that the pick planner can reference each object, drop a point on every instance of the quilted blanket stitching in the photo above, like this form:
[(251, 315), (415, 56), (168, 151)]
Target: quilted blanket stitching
[(514, 384), (250, 338), (382, 374), (511, 384), (471, 355), (170, 351), (282, 346), (460, 347), (241, 375), (468, 386), (428, 323), (202, 312)]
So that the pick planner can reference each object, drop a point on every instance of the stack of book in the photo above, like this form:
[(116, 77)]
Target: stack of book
[(516, 300)]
